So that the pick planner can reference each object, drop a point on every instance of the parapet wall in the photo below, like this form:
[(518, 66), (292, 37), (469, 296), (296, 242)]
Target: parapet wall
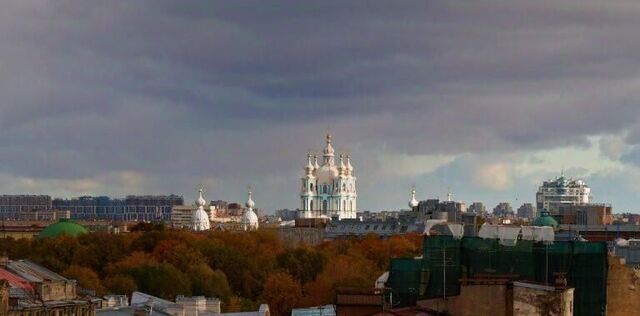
[(623, 288)]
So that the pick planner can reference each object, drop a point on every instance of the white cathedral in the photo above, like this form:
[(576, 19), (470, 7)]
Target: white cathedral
[(329, 189)]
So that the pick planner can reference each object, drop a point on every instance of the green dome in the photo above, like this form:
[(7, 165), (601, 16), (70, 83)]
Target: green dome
[(63, 226), (545, 220)]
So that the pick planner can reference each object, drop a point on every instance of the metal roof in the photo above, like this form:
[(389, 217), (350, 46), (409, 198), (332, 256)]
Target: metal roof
[(33, 272), (19, 286), (327, 310)]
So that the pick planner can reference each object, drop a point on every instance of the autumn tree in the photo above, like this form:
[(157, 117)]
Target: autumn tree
[(343, 271), (178, 253), (120, 284), (85, 277), (282, 292), (54, 253), (98, 250)]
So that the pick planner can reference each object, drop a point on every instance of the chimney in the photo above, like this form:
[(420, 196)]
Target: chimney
[(4, 260)]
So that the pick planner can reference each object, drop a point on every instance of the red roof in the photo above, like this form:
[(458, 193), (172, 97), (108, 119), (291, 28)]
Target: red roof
[(16, 281)]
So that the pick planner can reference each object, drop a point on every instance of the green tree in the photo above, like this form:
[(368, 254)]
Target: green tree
[(304, 264), (207, 282)]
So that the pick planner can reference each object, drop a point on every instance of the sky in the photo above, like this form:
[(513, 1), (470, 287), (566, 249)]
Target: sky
[(483, 98)]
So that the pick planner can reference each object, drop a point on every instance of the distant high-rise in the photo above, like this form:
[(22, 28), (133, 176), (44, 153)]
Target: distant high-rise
[(16, 206), (562, 191), (527, 210), (477, 207), (329, 189), (503, 209), (132, 208)]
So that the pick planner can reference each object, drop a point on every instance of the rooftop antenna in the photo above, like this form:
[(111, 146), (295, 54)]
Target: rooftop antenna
[(449, 195)]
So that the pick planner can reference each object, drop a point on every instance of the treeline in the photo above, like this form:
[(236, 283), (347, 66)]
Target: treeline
[(242, 269)]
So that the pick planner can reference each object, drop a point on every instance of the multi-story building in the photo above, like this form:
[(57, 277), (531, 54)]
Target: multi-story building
[(220, 206), (132, 208), (287, 215), (32, 289), (503, 209), (330, 189), (235, 209), (181, 216), (562, 191), (584, 214), (17, 207), (151, 207), (527, 210), (478, 208), (435, 209), (430, 209), (92, 207)]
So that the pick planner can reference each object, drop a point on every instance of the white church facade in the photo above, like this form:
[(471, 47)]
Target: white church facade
[(328, 190)]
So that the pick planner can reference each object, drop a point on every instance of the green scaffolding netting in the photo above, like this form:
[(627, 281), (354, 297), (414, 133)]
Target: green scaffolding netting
[(447, 260), (406, 278)]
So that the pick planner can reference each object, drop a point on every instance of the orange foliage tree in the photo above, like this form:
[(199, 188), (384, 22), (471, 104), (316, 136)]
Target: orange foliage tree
[(282, 292)]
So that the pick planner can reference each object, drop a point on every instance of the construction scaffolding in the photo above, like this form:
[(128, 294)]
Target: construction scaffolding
[(447, 260)]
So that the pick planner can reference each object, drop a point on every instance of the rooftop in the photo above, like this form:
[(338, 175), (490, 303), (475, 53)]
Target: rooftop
[(33, 272)]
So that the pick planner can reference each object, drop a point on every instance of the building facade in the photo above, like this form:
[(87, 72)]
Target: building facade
[(19, 207), (584, 214), (132, 208), (562, 191), (328, 190), (527, 210), (503, 209), (477, 208), (33, 290)]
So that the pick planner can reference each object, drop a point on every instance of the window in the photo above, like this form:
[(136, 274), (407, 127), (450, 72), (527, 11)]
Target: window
[(325, 189), (344, 187), (324, 204), (311, 187), (311, 205)]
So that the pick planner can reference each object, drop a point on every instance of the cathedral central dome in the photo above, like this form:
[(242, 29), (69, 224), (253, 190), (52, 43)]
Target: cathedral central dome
[(326, 174)]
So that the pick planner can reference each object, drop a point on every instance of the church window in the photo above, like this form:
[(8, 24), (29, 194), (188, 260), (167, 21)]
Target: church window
[(324, 205), (325, 189)]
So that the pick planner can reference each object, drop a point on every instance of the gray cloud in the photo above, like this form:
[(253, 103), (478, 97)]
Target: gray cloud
[(236, 92)]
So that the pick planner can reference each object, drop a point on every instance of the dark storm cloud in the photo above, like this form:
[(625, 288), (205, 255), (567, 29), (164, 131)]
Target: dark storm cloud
[(239, 91)]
